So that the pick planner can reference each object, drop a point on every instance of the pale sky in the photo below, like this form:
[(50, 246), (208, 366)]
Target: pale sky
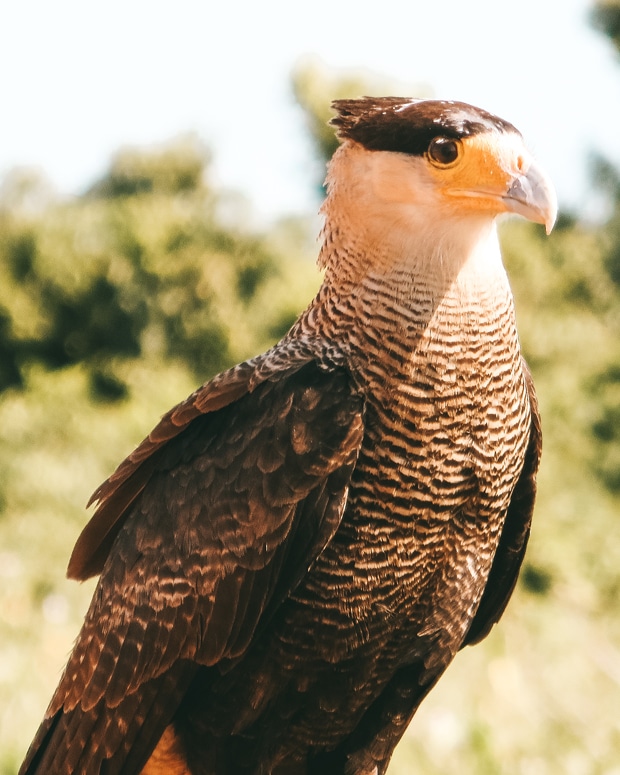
[(79, 79)]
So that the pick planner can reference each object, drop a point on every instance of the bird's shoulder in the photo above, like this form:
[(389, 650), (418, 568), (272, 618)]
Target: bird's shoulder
[(231, 417)]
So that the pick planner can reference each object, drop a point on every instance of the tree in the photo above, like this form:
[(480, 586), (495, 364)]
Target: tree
[(606, 18), (139, 266)]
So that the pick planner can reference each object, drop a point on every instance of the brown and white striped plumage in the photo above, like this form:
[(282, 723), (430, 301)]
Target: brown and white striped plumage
[(295, 554)]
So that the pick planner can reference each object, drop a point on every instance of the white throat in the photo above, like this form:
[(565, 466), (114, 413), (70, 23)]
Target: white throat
[(381, 220)]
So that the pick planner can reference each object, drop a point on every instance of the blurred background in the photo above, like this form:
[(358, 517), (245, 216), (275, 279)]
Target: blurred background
[(160, 173)]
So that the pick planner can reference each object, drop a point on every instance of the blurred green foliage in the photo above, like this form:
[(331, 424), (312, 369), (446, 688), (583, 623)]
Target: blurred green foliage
[(605, 384), (139, 267), (113, 305), (606, 18)]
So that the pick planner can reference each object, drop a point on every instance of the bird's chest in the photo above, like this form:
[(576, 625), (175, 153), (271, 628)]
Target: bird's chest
[(450, 405), (446, 430)]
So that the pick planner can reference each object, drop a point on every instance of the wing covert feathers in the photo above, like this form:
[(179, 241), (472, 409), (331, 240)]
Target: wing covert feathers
[(116, 495), (237, 505)]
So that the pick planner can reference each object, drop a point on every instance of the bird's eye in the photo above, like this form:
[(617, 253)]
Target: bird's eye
[(443, 151)]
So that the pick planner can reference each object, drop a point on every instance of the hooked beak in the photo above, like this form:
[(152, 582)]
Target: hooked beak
[(533, 196)]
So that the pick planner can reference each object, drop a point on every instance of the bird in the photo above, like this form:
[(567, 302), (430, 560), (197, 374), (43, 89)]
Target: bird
[(292, 558)]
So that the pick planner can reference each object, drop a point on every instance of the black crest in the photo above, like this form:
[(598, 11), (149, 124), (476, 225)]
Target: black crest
[(407, 125)]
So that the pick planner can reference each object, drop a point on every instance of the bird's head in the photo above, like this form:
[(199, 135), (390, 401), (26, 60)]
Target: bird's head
[(429, 167)]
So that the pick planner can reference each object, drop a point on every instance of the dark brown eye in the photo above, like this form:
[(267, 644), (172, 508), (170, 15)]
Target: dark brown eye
[(443, 151)]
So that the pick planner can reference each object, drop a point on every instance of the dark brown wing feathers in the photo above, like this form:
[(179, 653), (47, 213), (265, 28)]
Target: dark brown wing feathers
[(231, 510), (119, 491), (98, 741)]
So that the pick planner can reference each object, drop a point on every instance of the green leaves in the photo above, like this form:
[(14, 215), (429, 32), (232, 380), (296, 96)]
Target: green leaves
[(139, 267)]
